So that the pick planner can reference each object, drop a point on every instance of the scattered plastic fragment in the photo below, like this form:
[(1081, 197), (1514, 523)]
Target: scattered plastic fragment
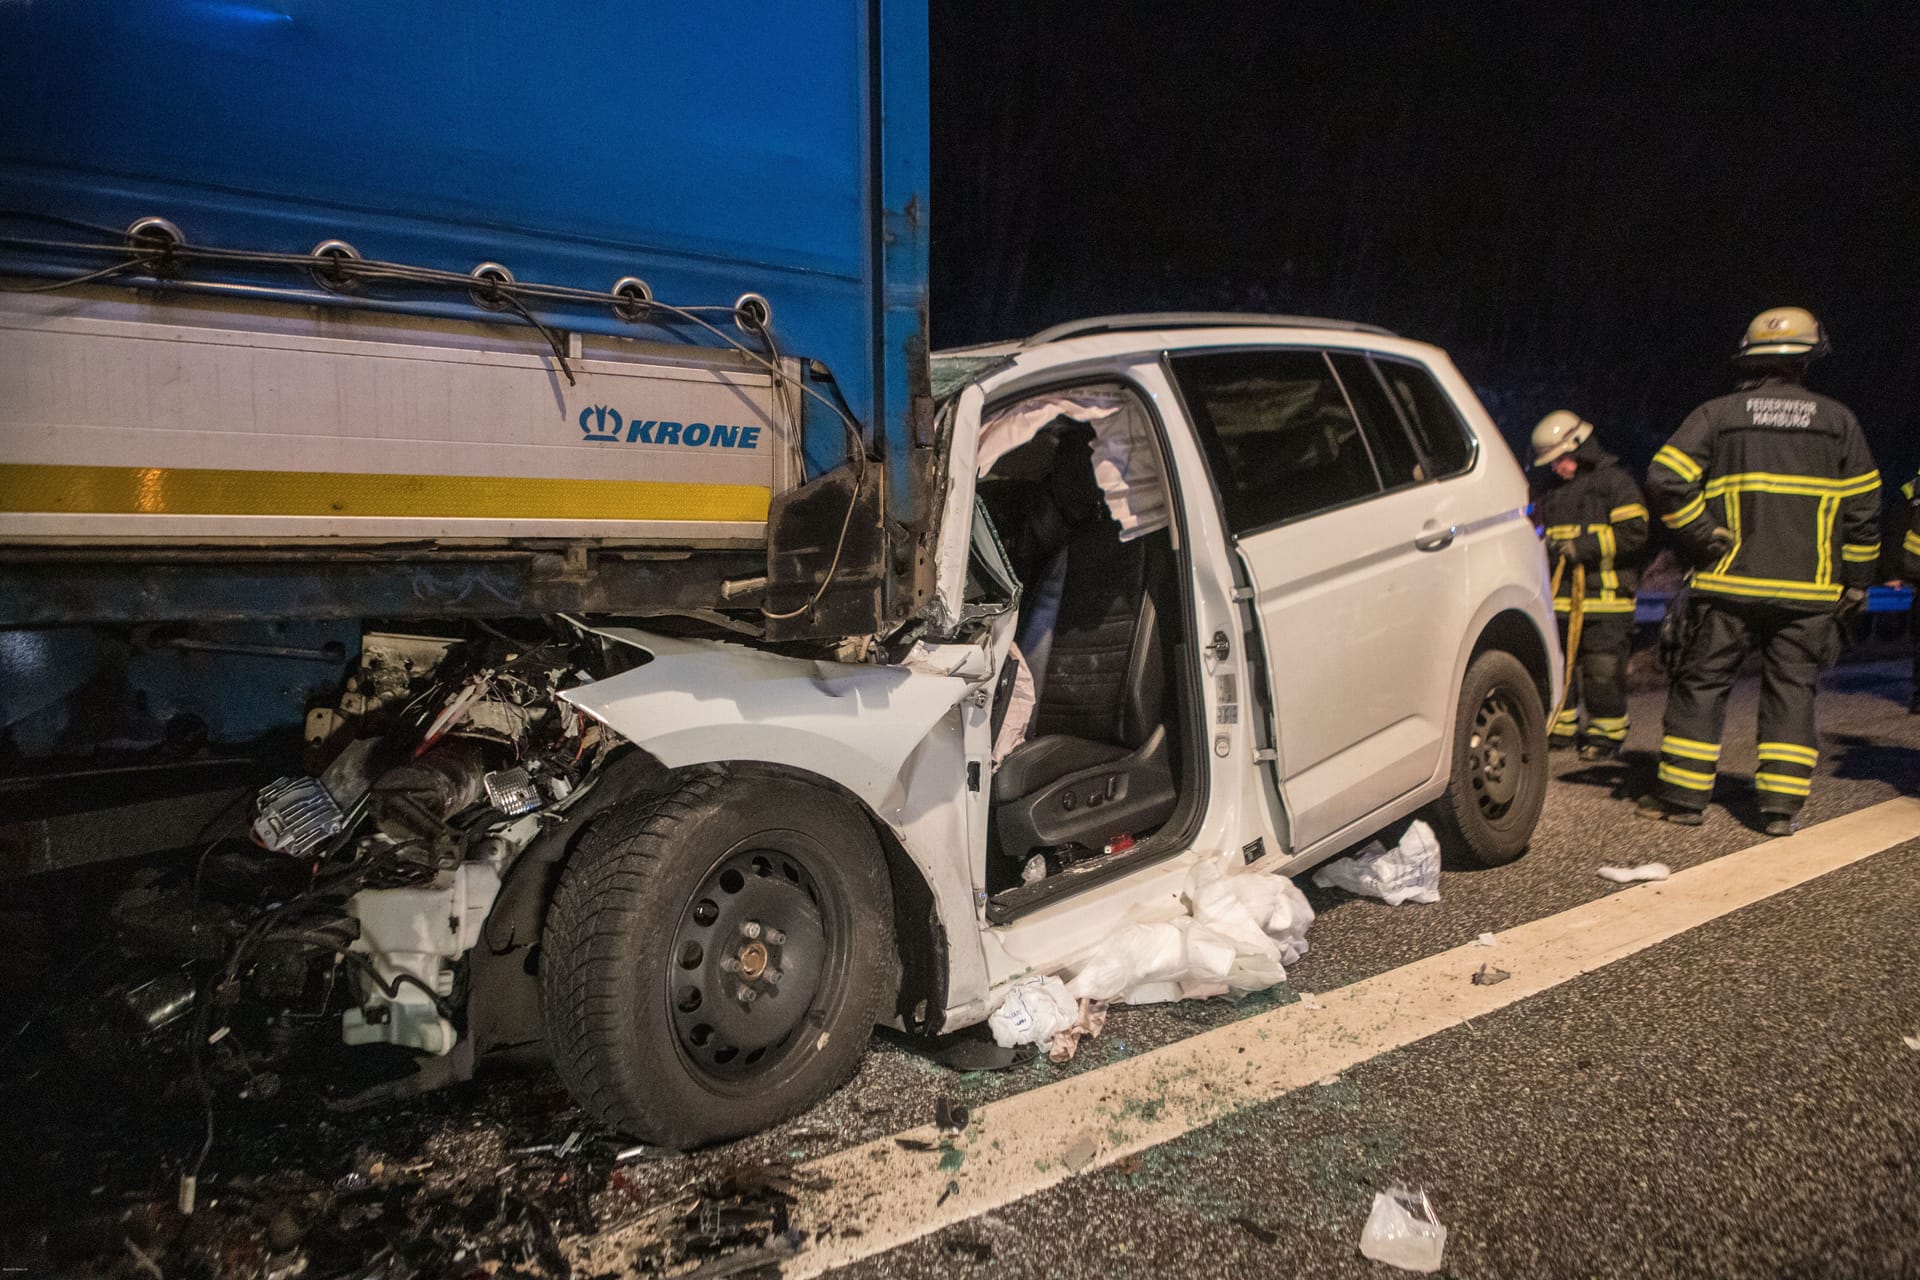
[(1066, 1042), (1408, 872), (914, 1144), (950, 1116), (644, 1151), (1486, 976), (1487, 940), (951, 1159), (1079, 1154), (969, 1246), (1325, 1081), (1258, 1232), (1035, 868), (1403, 1232), (1310, 1002), (1033, 1012), (952, 1190), (1912, 1042), (1627, 875)]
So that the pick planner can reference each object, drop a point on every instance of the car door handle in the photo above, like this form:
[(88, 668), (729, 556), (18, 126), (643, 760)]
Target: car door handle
[(1439, 541)]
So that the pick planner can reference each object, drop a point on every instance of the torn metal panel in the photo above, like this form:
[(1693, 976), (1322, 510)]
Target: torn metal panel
[(701, 701)]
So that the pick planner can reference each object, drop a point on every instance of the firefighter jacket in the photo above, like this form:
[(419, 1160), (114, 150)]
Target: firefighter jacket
[(1910, 545), (1603, 519), (1787, 472)]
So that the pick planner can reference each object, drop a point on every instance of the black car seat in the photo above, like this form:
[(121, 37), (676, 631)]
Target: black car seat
[(1099, 764)]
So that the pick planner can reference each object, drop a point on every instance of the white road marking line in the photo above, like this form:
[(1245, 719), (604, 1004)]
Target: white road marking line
[(1024, 1144)]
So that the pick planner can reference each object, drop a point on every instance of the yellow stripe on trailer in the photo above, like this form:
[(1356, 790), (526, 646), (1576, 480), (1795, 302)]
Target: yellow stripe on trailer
[(81, 490)]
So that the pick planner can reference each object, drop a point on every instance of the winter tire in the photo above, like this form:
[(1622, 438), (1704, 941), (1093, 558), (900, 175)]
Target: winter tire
[(1499, 764), (715, 958)]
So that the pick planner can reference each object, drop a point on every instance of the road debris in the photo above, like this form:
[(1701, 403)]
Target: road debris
[(1310, 1002), (1628, 875), (643, 1151), (1403, 1232), (1487, 940), (1092, 1020), (1912, 1042), (969, 1247), (1033, 1012), (950, 1117), (1407, 872), (1258, 1232), (1080, 1153), (1486, 976)]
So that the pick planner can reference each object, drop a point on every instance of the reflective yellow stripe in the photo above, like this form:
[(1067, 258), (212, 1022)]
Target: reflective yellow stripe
[(1562, 604), (1734, 585), (1568, 718), (1678, 463), (1632, 511), (1789, 753), (1690, 748), (1686, 514), (1804, 486), (1685, 778), (1564, 532), (1860, 552), (1609, 727), (1823, 548), (357, 495), (1609, 580), (1781, 783), (1911, 542)]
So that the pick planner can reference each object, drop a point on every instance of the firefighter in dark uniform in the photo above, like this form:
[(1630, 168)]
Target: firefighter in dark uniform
[(1594, 518), (1910, 570), (1773, 495)]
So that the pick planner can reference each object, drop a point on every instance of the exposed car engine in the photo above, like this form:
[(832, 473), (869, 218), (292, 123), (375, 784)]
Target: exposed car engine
[(343, 903)]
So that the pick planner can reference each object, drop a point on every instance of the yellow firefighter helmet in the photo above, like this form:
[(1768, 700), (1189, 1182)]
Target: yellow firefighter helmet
[(1783, 331), (1559, 434)]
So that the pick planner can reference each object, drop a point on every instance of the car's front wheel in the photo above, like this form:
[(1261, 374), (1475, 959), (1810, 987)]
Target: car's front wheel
[(1499, 763), (715, 958)]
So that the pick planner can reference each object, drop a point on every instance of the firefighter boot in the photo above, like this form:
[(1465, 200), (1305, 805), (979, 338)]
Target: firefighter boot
[(1652, 806)]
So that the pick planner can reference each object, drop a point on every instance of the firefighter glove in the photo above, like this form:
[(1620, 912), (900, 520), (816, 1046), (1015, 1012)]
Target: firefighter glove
[(1853, 601), (1719, 542)]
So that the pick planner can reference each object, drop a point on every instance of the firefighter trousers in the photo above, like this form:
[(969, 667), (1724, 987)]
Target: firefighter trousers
[(1599, 679), (1793, 646)]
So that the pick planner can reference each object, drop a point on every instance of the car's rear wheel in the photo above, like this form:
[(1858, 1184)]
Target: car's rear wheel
[(715, 958), (1499, 764)]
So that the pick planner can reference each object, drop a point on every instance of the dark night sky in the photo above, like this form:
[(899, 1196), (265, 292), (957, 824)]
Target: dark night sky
[(1583, 203)]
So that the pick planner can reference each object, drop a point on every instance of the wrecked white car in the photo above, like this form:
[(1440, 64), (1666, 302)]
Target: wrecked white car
[(1203, 591)]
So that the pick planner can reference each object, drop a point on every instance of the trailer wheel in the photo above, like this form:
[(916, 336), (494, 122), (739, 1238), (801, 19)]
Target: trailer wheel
[(715, 959), (1499, 764)]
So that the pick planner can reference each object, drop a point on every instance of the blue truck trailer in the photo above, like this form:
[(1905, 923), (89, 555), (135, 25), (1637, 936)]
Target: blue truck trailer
[(356, 361), (497, 290)]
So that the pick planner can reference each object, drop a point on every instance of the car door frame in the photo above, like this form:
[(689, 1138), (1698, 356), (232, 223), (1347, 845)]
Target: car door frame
[(1272, 749)]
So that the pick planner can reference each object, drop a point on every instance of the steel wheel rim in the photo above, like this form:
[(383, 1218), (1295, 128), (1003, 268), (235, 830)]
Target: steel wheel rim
[(760, 922), (1497, 756)]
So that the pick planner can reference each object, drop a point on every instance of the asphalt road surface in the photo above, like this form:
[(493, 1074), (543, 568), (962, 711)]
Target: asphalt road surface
[(1722, 1087)]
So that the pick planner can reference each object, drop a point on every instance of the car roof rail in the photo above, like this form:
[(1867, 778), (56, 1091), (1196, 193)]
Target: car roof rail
[(1195, 320)]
